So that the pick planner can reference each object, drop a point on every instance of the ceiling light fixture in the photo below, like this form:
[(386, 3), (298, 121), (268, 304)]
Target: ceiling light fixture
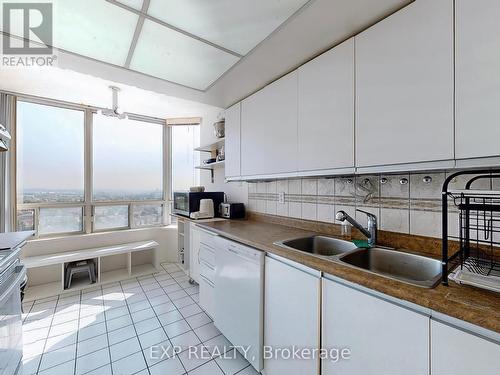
[(116, 111)]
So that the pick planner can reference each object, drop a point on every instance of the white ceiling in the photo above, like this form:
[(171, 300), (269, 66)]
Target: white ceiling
[(233, 27), (188, 42)]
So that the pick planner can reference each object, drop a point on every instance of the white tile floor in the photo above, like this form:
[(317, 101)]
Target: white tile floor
[(111, 329)]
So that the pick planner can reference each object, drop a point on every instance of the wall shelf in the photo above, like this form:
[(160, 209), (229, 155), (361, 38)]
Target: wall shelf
[(211, 166), (212, 146)]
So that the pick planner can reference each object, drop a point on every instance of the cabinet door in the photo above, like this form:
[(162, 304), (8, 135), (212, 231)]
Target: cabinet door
[(383, 338), (291, 316), (194, 251), (207, 296), (269, 129), (232, 143), (326, 110), (404, 87), (477, 78), (455, 352)]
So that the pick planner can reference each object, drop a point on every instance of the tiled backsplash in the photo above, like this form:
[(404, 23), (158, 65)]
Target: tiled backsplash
[(406, 203)]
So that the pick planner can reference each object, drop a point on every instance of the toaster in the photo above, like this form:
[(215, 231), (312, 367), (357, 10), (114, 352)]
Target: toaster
[(232, 210)]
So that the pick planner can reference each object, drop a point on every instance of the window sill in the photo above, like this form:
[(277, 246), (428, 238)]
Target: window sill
[(77, 236)]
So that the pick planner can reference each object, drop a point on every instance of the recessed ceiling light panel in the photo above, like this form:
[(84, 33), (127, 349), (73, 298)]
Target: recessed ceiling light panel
[(167, 54)]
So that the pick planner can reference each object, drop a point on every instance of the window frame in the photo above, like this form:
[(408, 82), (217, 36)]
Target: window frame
[(171, 124), (88, 204)]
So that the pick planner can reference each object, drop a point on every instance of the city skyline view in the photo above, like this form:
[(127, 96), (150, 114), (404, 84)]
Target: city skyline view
[(121, 150)]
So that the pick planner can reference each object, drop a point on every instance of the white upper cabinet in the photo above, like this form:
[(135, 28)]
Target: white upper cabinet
[(455, 352), (326, 110), (232, 142), (404, 86), (383, 338), (269, 129), (477, 78)]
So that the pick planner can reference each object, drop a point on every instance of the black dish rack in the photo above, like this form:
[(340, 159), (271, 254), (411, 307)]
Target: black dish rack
[(476, 249)]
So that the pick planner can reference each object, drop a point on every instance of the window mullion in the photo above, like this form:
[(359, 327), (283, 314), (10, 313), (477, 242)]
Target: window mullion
[(167, 173), (36, 221), (88, 227), (130, 218)]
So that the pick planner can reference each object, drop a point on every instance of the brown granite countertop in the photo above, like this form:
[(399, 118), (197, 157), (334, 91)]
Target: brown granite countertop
[(472, 305)]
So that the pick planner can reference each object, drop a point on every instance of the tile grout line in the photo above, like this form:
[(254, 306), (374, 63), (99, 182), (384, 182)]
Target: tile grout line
[(136, 333), (107, 332), (145, 292), (50, 328), (176, 309), (201, 342), (77, 332), (156, 316), (52, 320)]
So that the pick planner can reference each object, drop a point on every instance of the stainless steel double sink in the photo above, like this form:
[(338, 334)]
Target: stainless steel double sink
[(409, 268)]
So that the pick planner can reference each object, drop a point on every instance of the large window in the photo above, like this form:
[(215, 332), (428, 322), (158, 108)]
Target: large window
[(50, 154), (128, 163), (82, 172), (184, 159), (50, 168)]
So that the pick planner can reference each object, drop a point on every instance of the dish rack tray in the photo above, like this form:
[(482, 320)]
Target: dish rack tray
[(472, 257)]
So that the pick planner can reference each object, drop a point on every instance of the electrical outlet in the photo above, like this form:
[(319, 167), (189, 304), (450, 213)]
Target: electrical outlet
[(281, 197)]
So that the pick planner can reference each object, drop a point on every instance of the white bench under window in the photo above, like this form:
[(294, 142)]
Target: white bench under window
[(114, 263)]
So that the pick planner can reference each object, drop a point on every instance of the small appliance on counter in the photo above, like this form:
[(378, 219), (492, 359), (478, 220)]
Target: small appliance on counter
[(186, 202), (206, 210), (232, 210)]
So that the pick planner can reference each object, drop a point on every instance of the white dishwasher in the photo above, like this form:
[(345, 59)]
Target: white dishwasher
[(239, 298)]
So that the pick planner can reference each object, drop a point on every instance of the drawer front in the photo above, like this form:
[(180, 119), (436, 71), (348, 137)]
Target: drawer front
[(207, 296), (207, 254), (209, 239), (207, 271)]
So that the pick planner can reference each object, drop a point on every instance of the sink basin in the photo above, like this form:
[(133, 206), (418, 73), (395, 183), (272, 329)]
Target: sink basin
[(412, 269), (319, 245)]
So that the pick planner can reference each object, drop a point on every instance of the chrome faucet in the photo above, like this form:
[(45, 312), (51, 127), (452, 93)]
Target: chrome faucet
[(370, 232)]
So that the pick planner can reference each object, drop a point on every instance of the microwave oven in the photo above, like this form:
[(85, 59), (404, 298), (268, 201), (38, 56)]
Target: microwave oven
[(186, 202)]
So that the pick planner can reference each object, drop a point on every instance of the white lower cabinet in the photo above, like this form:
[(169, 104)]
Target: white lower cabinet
[(207, 296), (383, 338), (291, 316), (194, 248), (206, 269), (455, 352)]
